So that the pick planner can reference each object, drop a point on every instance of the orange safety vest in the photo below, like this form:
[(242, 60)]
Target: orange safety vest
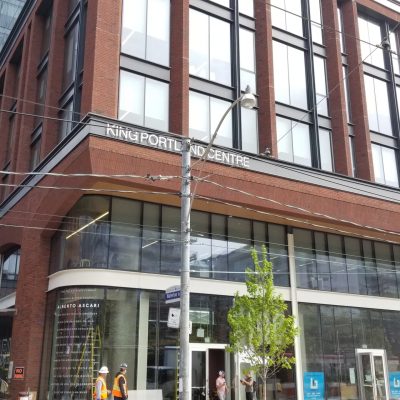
[(116, 390), (103, 394)]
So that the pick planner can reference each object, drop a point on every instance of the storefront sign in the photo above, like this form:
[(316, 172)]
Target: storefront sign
[(170, 143), (314, 386), (19, 372), (394, 380), (172, 294)]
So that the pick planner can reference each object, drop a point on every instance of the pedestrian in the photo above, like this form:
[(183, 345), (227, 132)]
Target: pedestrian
[(120, 387), (100, 389), (249, 386), (220, 383)]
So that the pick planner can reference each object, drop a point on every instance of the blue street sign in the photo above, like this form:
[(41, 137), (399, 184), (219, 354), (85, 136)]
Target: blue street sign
[(394, 381), (173, 294)]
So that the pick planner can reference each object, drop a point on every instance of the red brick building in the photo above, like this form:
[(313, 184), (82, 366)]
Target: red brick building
[(95, 96)]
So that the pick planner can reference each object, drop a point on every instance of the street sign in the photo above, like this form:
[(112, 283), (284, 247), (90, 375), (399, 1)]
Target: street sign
[(172, 294)]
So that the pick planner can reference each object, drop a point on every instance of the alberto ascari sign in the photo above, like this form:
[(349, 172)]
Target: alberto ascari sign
[(170, 143)]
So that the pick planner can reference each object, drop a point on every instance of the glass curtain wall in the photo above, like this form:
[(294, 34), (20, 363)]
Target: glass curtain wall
[(116, 233)]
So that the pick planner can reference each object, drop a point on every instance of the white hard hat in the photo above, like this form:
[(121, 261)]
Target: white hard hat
[(103, 370)]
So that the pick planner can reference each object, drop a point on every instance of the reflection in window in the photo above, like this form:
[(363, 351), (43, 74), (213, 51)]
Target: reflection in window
[(9, 271), (325, 149), (170, 240), (209, 58), (341, 33), (385, 165), (66, 120), (371, 37), (316, 21), (146, 30), (376, 92), (320, 85), (204, 115), (289, 75), (143, 101), (247, 59), (246, 7), (287, 15), (394, 47), (70, 56), (293, 141)]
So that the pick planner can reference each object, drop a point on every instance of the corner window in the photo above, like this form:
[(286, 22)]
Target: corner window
[(209, 48), (146, 30), (143, 101)]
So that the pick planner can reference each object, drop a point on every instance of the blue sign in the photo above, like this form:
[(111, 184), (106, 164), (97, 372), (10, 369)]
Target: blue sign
[(394, 382), (172, 294), (314, 386)]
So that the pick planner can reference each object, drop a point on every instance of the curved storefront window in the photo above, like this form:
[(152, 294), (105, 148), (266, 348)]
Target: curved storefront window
[(9, 271), (104, 326), (116, 233)]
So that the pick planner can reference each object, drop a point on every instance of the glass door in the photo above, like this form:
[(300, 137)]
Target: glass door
[(372, 374)]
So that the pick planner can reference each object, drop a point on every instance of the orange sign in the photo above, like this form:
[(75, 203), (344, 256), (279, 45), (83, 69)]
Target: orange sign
[(19, 372)]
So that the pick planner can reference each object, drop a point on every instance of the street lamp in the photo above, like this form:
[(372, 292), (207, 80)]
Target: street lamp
[(246, 100)]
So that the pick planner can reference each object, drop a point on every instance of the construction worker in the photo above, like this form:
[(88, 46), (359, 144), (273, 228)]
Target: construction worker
[(120, 387), (100, 390)]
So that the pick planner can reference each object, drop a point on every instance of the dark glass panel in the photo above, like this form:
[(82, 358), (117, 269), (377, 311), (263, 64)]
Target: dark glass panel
[(305, 263), (337, 264), (219, 246), (355, 267), (278, 255), (170, 240), (321, 255), (151, 238), (370, 269), (386, 271), (125, 234), (239, 243), (200, 244)]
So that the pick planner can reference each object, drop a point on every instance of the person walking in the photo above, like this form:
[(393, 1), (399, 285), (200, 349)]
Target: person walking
[(220, 383), (120, 387), (249, 386), (100, 389)]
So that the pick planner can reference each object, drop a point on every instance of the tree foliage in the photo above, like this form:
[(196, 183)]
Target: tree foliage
[(260, 328)]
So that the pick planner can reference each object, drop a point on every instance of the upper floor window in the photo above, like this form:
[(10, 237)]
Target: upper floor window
[(146, 30), (247, 59), (376, 92), (341, 33), (325, 149), (46, 34), (320, 85), (9, 272), (224, 3), (293, 141), (385, 166), (316, 21), (246, 7), (70, 55), (394, 47), (143, 101), (209, 48), (287, 15), (371, 37), (289, 75)]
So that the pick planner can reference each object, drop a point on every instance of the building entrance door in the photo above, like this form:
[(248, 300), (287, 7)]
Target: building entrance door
[(206, 361), (372, 374)]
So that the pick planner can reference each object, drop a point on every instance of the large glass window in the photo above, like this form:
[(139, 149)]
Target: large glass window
[(204, 115), (325, 149), (247, 59), (70, 55), (376, 92), (293, 141), (316, 21), (9, 272), (385, 165), (143, 101), (289, 75), (371, 37), (320, 85), (246, 7), (287, 15), (209, 58), (146, 30)]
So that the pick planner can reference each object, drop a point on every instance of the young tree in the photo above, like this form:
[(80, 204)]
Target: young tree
[(260, 329)]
